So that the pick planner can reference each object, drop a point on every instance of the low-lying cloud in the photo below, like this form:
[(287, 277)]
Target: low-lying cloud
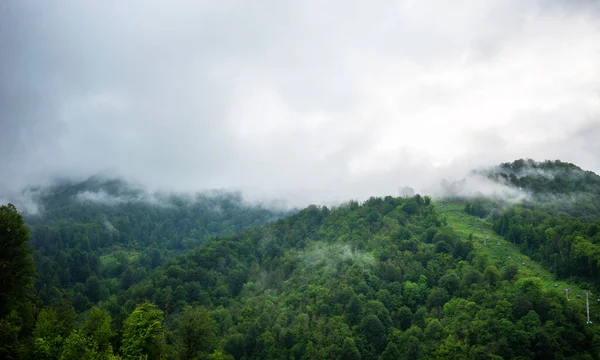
[(306, 101), (478, 185)]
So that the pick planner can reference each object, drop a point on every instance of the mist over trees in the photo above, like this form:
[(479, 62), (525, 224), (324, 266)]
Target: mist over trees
[(120, 275)]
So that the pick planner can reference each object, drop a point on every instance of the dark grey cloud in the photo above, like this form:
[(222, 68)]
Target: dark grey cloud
[(311, 101)]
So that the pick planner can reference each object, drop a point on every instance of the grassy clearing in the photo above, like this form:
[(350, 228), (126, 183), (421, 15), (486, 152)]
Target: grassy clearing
[(503, 253), (113, 258)]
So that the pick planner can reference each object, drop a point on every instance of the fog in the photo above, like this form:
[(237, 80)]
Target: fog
[(305, 101)]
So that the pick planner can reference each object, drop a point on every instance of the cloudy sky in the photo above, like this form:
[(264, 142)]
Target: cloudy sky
[(314, 100)]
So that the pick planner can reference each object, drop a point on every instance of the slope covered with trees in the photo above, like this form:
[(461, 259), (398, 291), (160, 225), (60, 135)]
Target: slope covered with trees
[(388, 278), (385, 279), (558, 224), (94, 237)]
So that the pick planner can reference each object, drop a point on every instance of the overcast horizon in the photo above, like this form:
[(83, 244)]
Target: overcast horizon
[(301, 100)]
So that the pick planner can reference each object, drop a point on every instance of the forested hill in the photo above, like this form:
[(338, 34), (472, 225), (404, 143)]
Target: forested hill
[(124, 274), (547, 177), (386, 279), (109, 232), (558, 221)]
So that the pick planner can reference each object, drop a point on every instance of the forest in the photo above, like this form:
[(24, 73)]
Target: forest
[(104, 271)]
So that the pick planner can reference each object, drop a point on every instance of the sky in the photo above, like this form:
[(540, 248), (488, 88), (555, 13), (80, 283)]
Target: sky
[(309, 101)]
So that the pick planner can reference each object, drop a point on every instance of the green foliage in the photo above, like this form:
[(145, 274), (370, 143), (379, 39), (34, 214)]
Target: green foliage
[(47, 335), (79, 347), (10, 328), (97, 231), (389, 278), (374, 332), (349, 350), (97, 328), (142, 332), (195, 333), (391, 352), (219, 355), (16, 263)]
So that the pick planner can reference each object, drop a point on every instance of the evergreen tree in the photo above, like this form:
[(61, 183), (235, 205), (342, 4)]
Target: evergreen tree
[(16, 262)]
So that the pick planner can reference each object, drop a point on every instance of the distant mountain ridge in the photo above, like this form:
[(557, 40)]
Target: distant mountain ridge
[(545, 177), (101, 227)]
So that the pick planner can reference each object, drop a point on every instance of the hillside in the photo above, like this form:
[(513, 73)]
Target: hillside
[(388, 278), (105, 233), (547, 177), (558, 224)]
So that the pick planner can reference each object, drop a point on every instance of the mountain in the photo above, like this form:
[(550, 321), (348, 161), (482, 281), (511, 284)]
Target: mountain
[(548, 177), (100, 229), (387, 278), (557, 224)]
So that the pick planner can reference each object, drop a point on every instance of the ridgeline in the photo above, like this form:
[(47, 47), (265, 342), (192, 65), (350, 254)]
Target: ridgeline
[(120, 275)]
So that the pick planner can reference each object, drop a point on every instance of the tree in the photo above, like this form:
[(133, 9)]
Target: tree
[(92, 288), (79, 347), (10, 327), (235, 346), (450, 282), (353, 310), (434, 330), (412, 349), (47, 335), (391, 352), (451, 348), (220, 355), (510, 272), (373, 332), (349, 350), (16, 262), (97, 327), (436, 298), (195, 333), (403, 318), (491, 274), (412, 294), (141, 332)]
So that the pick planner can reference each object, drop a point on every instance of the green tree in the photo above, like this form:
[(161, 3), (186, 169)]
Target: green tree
[(451, 348), (354, 310), (195, 333), (10, 328), (92, 288), (450, 282), (412, 294), (403, 318), (391, 352), (491, 274), (434, 330), (16, 262), (77, 346), (141, 332), (97, 327), (412, 349), (373, 332), (220, 355), (349, 350), (47, 335), (436, 298)]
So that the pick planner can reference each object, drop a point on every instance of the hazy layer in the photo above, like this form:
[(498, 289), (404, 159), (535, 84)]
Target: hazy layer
[(307, 101)]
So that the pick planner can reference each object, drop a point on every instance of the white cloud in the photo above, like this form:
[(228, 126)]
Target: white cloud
[(307, 100)]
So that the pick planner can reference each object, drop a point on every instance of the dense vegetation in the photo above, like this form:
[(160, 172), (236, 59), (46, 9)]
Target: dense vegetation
[(96, 236), (559, 224), (389, 278)]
